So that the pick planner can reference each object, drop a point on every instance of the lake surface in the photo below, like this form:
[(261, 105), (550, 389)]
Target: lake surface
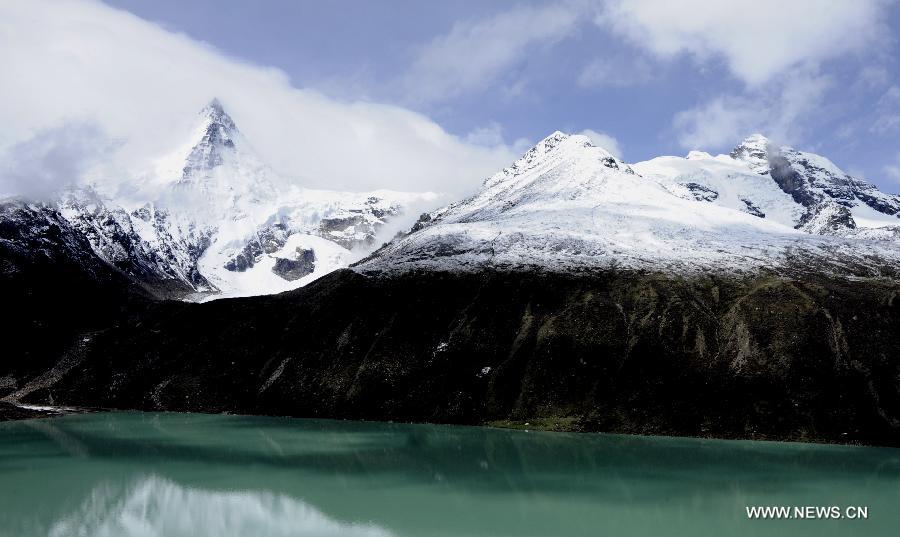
[(134, 474)]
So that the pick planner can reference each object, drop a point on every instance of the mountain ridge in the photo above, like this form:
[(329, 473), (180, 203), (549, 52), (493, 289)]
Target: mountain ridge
[(222, 223), (568, 205)]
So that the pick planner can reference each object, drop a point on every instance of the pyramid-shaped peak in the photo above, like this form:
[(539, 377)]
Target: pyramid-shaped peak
[(561, 143), (215, 105), (540, 149), (558, 146), (215, 113), (216, 138)]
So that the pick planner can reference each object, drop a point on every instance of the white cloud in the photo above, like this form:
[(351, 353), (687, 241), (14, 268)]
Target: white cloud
[(757, 40), (775, 111), (491, 135), (776, 48), (475, 54), (52, 159), (606, 141), (84, 62), (715, 123)]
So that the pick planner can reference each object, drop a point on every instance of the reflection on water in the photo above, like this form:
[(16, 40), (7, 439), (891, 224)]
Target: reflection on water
[(123, 474), (157, 507)]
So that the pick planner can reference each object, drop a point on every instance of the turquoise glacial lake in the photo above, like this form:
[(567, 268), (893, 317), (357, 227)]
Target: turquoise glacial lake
[(136, 474)]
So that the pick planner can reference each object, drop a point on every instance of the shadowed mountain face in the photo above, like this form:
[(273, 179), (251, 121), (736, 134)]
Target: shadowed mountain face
[(55, 291), (619, 351)]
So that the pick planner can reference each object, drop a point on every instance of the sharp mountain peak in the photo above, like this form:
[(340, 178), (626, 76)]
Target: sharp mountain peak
[(215, 113)]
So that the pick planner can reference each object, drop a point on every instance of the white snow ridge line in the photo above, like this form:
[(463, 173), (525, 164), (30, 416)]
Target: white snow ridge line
[(568, 205)]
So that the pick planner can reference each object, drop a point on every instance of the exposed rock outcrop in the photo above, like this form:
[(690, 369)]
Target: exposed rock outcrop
[(293, 269)]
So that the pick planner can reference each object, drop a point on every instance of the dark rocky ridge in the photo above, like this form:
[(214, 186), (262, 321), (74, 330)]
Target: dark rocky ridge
[(619, 351), (111, 232), (751, 208), (55, 289), (701, 193), (790, 180)]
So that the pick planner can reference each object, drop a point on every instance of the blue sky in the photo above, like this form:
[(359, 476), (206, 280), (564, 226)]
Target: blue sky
[(647, 76)]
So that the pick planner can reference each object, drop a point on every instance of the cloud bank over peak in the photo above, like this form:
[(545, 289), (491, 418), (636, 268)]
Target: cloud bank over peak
[(52, 159), (141, 86), (698, 74)]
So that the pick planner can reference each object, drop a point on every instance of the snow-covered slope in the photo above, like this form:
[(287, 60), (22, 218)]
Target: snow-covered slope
[(568, 206), (723, 181), (778, 183), (212, 220), (329, 229)]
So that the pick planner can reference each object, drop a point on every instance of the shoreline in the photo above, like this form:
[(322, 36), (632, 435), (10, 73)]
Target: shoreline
[(10, 411), (22, 411)]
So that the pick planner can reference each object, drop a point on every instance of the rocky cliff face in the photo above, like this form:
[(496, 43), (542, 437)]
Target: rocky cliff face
[(55, 291), (625, 352), (148, 244)]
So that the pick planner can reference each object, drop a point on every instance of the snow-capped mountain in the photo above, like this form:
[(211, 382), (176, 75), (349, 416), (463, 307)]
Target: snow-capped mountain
[(150, 244), (796, 184), (214, 220), (567, 205)]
